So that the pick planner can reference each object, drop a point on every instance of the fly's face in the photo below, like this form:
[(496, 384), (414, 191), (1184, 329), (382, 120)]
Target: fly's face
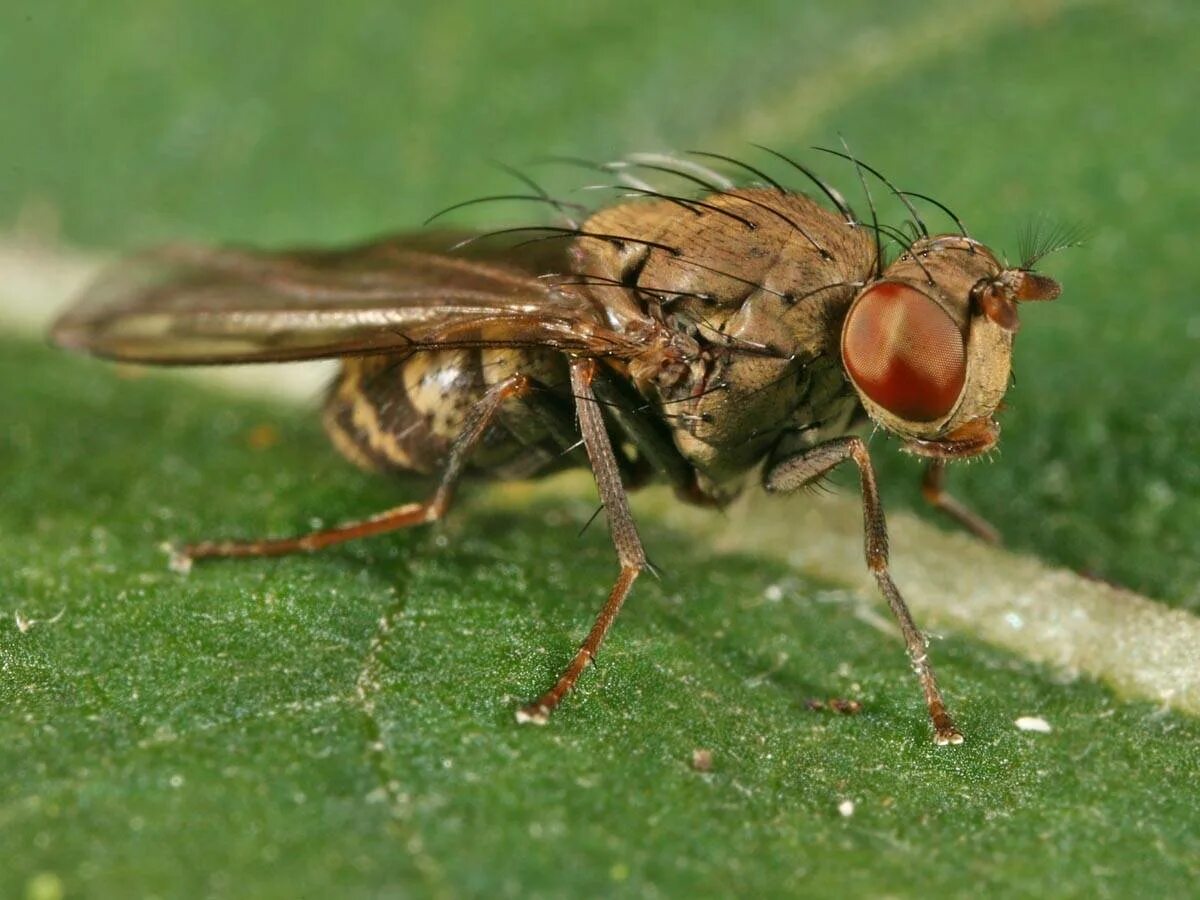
[(928, 347)]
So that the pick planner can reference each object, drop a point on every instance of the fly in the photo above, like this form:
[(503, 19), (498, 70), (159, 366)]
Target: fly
[(700, 337)]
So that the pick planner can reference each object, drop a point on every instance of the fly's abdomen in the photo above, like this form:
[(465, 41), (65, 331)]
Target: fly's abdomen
[(402, 413)]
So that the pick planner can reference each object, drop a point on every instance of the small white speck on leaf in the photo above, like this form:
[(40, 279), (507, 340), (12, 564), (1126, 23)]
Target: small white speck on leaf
[(1033, 723), (24, 625), (702, 760), (846, 808)]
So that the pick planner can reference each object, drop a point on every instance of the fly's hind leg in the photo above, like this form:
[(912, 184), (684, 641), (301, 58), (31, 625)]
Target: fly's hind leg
[(404, 516), (802, 469), (630, 554), (933, 489)]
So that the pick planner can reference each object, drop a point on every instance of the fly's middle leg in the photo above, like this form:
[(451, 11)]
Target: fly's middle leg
[(628, 543), (797, 471)]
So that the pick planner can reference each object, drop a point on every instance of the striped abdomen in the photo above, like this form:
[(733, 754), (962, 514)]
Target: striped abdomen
[(401, 413)]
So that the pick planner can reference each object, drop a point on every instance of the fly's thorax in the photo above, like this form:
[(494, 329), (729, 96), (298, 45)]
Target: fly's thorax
[(729, 386), (928, 347), (699, 259), (737, 298)]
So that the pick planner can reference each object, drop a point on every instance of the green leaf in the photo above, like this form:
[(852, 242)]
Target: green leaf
[(342, 724)]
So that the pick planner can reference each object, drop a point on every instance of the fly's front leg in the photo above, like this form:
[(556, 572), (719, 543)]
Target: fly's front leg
[(811, 464), (624, 536), (933, 489), (404, 516)]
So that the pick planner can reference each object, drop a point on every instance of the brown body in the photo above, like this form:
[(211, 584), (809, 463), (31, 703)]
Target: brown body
[(766, 331), (700, 339)]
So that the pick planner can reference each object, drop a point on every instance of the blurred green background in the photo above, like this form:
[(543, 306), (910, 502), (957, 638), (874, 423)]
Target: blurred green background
[(252, 731)]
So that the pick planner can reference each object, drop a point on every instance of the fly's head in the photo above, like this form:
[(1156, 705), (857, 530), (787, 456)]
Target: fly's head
[(928, 347)]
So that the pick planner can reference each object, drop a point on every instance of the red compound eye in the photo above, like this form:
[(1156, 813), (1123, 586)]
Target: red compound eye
[(904, 352)]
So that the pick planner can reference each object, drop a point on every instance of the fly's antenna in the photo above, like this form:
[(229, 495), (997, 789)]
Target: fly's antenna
[(912, 210), (835, 196), (1042, 237)]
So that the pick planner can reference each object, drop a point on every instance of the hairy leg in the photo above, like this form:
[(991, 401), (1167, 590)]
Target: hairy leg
[(799, 470), (630, 554), (404, 516)]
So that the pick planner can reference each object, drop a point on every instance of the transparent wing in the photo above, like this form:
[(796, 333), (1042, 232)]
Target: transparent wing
[(185, 304)]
